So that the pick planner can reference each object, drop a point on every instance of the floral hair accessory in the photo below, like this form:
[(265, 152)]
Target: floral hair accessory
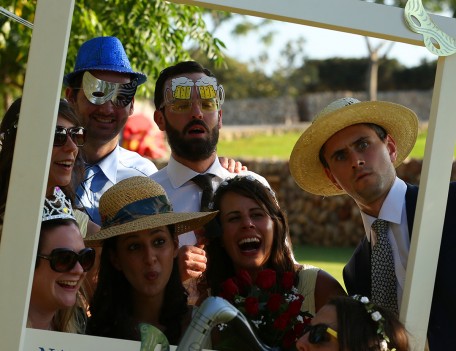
[(58, 207), (378, 318), (271, 304)]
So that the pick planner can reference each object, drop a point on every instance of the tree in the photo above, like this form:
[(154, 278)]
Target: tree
[(374, 52), (239, 80), (155, 34)]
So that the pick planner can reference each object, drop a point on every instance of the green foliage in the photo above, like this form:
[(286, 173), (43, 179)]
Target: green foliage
[(155, 34), (239, 81)]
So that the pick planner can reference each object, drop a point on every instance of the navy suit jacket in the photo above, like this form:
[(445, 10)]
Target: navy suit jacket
[(442, 321)]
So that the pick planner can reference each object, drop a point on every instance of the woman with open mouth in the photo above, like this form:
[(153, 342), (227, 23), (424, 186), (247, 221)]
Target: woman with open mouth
[(61, 265), (66, 168), (139, 282), (254, 236)]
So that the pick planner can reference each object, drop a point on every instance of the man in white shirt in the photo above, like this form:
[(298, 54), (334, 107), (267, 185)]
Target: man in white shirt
[(101, 89), (188, 102), (353, 147)]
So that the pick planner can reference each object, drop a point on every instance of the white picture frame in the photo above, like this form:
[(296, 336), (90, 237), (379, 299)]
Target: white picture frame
[(42, 89)]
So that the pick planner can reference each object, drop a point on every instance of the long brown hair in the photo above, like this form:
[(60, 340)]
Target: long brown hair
[(220, 266)]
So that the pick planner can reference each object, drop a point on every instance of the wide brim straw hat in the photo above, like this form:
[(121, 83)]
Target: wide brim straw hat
[(139, 203), (305, 166), (103, 54)]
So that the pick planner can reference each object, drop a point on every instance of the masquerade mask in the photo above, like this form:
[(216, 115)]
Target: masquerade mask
[(64, 260), (77, 134), (179, 97), (319, 333), (98, 91)]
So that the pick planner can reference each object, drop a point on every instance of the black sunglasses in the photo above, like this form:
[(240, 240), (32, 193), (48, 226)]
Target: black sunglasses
[(64, 260), (319, 333), (77, 134)]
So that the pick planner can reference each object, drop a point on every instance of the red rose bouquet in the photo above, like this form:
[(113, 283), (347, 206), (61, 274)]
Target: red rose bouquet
[(271, 304)]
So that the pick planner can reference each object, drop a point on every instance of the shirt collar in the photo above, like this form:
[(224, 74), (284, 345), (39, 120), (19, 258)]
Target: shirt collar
[(179, 174), (109, 165), (391, 209)]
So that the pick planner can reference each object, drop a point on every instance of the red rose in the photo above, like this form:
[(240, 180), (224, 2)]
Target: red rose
[(251, 306), (274, 302), (244, 281), (266, 279), (289, 339), (288, 280), (295, 306), (299, 328), (282, 321), (229, 289)]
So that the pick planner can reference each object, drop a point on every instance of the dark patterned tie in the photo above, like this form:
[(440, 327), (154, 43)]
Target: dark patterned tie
[(204, 181), (384, 288)]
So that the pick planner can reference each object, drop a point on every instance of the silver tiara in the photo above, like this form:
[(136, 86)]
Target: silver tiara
[(58, 207)]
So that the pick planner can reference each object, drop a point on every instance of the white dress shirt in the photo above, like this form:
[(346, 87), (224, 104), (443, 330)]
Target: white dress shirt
[(120, 164), (394, 211), (184, 194)]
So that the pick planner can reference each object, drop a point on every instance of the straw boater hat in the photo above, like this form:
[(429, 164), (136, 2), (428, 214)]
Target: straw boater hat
[(305, 166), (139, 203)]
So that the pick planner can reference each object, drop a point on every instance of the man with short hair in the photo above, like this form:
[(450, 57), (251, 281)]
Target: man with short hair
[(188, 102), (353, 147), (102, 90)]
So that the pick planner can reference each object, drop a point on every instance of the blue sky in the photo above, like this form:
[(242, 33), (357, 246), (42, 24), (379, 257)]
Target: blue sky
[(319, 44)]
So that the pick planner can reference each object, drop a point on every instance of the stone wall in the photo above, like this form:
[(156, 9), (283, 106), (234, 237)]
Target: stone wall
[(331, 221), (289, 111), (314, 220)]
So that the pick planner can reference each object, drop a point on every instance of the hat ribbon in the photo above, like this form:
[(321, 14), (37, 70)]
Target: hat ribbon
[(138, 209)]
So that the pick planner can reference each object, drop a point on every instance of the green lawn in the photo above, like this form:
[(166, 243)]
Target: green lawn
[(280, 146), (331, 259)]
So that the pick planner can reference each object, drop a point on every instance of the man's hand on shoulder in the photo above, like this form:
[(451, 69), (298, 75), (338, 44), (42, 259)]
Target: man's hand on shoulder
[(231, 165)]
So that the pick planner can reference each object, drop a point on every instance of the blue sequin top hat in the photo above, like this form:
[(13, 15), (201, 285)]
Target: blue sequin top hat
[(104, 54)]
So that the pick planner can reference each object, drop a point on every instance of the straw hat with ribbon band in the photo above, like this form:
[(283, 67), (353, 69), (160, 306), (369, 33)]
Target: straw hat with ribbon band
[(305, 166), (103, 54), (139, 203)]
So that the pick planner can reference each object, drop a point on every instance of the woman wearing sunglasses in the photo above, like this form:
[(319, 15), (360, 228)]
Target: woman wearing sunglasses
[(354, 324), (61, 265), (66, 169)]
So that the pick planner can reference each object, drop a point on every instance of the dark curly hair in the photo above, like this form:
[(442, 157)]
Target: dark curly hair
[(111, 308), (220, 266)]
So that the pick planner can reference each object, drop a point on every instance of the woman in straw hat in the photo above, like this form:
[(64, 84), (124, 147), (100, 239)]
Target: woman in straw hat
[(138, 280)]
